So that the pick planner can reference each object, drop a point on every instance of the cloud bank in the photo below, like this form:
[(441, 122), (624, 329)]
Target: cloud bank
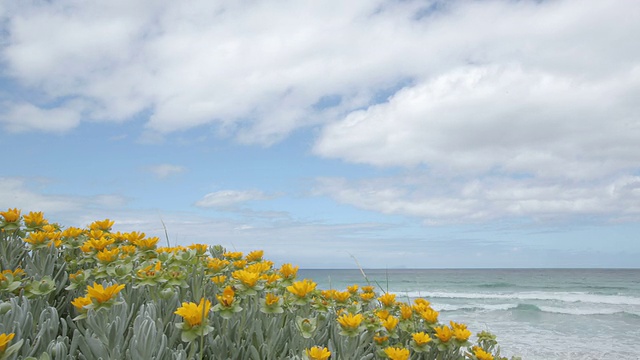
[(506, 108)]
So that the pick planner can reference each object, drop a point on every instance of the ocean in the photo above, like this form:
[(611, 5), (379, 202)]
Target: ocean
[(538, 314)]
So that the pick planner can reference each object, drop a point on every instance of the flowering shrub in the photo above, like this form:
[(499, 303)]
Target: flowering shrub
[(70, 293)]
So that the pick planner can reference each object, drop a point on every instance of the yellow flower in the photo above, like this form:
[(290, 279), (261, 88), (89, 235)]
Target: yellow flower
[(101, 294), (104, 225), (443, 333), (255, 256), (460, 331), (194, 313), (80, 302), (150, 270), (328, 294), (318, 353), (216, 264), (97, 244), (239, 264), (387, 299), (34, 219), (382, 314), (429, 315), (72, 232), (219, 280), (461, 334), (73, 276), (397, 353), (421, 338), (227, 298), (199, 248), (96, 233), (271, 299), (454, 325), (11, 215), (234, 255), (349, 321), (481, 354), (127, 249), (353, 288), (271, 278), (367, 296), (118, 237), (259, 267), (147, 244), (288, 271), (247, 278), (421, 305), (5, 339), (341, 296), (390, 323), (54, 238), (36, 238), (405, 312), (134, 236), (15, 273), (302, 288), (380, 339), (107, 256), (367, 288)]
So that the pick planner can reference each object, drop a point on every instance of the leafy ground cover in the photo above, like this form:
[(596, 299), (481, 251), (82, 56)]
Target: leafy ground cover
[(92, 293)]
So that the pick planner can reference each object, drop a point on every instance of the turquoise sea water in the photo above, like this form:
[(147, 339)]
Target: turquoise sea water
[(538, 314)]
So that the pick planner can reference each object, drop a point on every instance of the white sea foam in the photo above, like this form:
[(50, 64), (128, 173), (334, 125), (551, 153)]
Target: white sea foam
[(473, 307), (530, 307), (568, 297)]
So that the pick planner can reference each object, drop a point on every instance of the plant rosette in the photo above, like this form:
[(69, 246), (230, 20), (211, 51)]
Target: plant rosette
[(121, 271), (271, 304), (227, 303), (190, 333), (420, 342), (8, 282), (248, 291), (316, 353), (351, 324), (196, 319), (41, 287), (307, 326), (103, 297)]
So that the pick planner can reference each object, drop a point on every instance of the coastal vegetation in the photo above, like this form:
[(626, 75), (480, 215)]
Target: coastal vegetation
[(93, 293)]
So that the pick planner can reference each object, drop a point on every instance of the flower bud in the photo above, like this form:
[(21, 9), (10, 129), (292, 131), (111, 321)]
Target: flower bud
[(4, 307)]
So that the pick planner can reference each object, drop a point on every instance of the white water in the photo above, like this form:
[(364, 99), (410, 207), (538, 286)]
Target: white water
[(535, 314)]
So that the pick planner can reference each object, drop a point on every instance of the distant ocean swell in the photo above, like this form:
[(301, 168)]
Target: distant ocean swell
[(533, 308), (569, 297), (539, 314), (568, 303)]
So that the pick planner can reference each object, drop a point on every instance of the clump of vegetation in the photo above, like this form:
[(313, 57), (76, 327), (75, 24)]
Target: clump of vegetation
[(71, 293)]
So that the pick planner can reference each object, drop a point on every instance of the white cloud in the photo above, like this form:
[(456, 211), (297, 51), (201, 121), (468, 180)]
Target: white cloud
[(445, 200), (231, 198), (482, 118), (526, 95), (163, 171), (257, 70), (20, 193), (24, 116)]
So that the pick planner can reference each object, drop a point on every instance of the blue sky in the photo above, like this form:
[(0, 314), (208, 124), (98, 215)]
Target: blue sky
[(402, 133)]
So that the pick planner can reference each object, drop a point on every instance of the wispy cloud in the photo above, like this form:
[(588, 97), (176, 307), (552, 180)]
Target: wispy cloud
[(29, 196), (446, 201), (163, 171), (231, 198), (21, 117)]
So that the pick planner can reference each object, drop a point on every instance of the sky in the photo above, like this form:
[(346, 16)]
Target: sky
[(332, 134)]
